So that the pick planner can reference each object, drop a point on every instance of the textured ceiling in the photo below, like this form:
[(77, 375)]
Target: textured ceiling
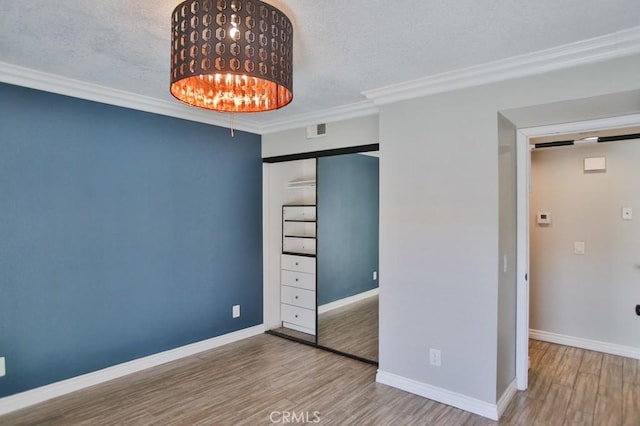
[(341, 47)]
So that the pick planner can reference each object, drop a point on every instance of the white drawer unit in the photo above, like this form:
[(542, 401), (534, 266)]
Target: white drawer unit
[(298, 279), (298, 268), (298, 297), (298, 318), (299, 263)]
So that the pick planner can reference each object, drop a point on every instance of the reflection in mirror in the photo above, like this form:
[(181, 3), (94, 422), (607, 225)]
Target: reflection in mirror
[(347, 253), (292, 200)]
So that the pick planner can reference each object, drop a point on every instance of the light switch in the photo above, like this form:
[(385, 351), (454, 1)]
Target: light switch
[(627, 213), (236, 311), (578, 247), (3, 369)]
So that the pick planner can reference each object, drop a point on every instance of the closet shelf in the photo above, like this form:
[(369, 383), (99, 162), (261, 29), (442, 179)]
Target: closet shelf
[(301, 184)]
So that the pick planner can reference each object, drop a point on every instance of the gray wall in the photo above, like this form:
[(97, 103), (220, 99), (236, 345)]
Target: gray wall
[(348, 221), (591, 296), (440, 251), (439, 222), (507, 253)]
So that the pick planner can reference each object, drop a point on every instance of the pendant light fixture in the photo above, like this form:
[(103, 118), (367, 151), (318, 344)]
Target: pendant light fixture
[(231, 55)]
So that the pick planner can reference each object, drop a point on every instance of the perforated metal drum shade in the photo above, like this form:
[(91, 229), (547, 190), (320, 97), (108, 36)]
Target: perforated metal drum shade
[(231, 55)]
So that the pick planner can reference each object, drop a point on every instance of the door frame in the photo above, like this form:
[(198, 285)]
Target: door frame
[(523, 183)]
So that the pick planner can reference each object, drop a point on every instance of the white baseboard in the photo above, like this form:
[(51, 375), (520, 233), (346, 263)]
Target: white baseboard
[(444, 396), (44, 393), (592, 345), (347, 301), (506, 397)]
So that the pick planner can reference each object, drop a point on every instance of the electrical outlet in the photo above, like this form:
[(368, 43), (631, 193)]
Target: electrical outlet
[(434, 357), (375, 275), (3, 369), (236, 311)]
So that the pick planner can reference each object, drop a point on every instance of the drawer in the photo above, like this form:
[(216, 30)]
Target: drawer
[(298, 279), (298, 297), (298, 316), (299, 263)]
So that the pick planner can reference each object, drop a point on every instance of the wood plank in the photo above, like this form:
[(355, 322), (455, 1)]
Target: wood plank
[(630, 404), (610, 384), (608, 411), (521, 411), (631, 371), (539, 385), (583, 400), (553, 409), (568, 368), (551, 359), (591, 363)]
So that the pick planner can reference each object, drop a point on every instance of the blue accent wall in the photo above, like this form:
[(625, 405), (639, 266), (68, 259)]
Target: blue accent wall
[(348, 224), (122, 234)]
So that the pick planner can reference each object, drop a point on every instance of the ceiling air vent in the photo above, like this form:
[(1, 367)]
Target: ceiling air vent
[(316, 131)]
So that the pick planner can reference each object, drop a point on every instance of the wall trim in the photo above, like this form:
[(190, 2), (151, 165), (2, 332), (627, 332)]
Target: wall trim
[(598, 49), (506, 397), (33, 79), (44, 393), (444, 396), (579, 342), (347, 301)]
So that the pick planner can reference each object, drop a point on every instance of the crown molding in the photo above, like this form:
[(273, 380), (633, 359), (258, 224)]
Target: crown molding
[(30, 78), (610, 46), (343, 112)]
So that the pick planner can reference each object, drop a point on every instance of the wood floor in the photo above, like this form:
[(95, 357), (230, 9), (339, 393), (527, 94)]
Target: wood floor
[(254, 381), (352, 329), (571, 386)]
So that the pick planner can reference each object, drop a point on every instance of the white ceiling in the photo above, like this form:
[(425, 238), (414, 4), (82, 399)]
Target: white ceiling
[(342, 48)]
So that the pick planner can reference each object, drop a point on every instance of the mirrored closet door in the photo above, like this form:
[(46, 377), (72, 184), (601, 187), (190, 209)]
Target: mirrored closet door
[(347, 271), (324, 270)]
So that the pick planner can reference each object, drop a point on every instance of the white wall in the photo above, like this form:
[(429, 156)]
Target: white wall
[(340, 134), (591, 296), (439, 210)]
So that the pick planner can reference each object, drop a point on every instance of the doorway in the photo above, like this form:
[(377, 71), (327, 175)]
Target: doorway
[(524, 136)]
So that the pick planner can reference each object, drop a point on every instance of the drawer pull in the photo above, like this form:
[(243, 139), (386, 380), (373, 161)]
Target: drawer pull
[(296, 315), (297, 264), (297, 280), (296, 297)]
